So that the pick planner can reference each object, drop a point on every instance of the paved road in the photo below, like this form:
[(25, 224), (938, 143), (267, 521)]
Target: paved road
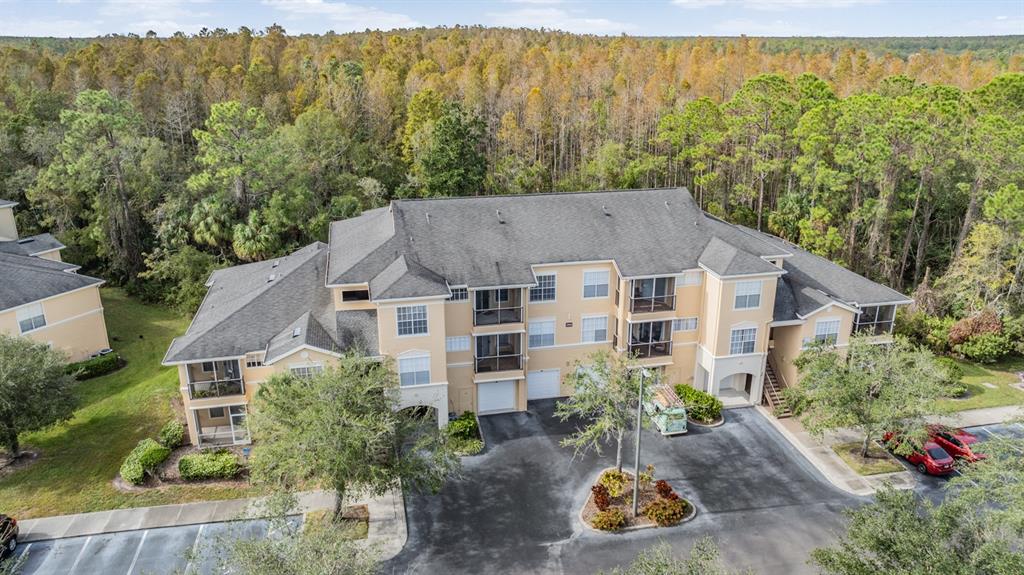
[(933, 487), (188, 549)]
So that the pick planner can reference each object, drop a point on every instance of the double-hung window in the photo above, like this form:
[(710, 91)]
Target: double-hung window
[(684, 324), (595, 329), (412, 319), (742, 340), (595, 284), (545, 290), (542, 332), (827, 330), (307, 370), (456, 343), (254, 359), (459, 294), (31, 317), (414, 370), (748, 295)]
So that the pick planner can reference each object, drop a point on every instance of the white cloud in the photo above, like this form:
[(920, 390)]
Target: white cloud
[(774, 5), (346, 17), (50, 28), (558, 19)]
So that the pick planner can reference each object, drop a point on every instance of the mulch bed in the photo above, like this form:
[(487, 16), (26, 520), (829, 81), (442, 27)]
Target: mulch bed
[(646, 494), (167, 473)]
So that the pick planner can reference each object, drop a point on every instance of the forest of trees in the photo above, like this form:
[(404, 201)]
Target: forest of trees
[(157, 159)]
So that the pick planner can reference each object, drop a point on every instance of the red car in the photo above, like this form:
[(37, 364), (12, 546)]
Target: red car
[(956, 442), (931, 459)]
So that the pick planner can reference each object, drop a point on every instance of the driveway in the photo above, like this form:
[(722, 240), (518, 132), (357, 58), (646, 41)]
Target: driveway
[(515, 510)]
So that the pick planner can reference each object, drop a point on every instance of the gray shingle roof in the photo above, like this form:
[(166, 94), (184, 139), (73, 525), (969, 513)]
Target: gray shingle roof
[(28, 279), (357, 330), (404, 279), (494, 240), (31, 245)]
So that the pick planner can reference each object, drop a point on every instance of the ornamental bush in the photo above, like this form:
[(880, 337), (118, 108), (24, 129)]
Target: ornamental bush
[(171, 434), (700, 406), (220, 464), (95, 366), (464, 426), (143, 460), (665, 512), (985, 347), (611, 519), (614, 481), (985, 322), (601, 497), (662, 487)]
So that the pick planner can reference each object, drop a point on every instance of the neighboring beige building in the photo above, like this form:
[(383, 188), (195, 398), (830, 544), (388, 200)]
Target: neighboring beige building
[(485, 303), (45, 299)]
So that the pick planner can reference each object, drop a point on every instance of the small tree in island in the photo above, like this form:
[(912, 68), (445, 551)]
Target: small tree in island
[(867, 386), (343, 429), (36, 390), (606, 388)]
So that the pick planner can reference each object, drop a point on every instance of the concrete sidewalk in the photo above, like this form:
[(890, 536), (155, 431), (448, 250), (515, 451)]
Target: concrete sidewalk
[(387, 526), (820, 454)]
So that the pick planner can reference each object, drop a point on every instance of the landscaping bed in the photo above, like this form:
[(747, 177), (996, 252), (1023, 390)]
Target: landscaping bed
[(878, 461), (355, 519), (610, 504), (464, 434), (702, 408)]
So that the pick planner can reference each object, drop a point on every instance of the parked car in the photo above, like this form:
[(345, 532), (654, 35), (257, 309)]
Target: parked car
[(8, 535), (956, 442), (930, 458)]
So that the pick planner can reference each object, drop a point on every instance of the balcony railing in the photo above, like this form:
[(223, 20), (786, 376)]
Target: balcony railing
[(876, 328), (498, 316), (219, 388), (223, 436), (652, 349), (652, 304), (499, 363)]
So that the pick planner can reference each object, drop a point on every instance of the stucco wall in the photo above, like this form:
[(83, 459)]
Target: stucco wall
[(74, 323), (788, 340), (8, 226)]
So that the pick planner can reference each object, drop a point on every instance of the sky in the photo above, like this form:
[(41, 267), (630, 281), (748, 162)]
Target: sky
[(83, 18)]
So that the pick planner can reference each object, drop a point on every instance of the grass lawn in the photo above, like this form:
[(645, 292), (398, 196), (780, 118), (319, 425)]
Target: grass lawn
[(880, 461), (81, 457), (1001, 374)]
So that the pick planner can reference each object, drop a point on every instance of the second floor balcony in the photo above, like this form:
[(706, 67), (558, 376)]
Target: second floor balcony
[(215, 379), (650, 339), (498, 352), (652, 295), (498, 306)]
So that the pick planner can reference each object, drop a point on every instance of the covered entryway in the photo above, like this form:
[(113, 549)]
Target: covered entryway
[(736, 389), (543, 384), (496, 396)]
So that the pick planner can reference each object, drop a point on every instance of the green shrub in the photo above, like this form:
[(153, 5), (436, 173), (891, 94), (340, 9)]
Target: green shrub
[(700, 406), (614, 481), (220, 464), (171, 434), (924, 329), (981, 323), (985, 347), (665, 512), (142, 460), (954, 375), (464, 426), (96, 366), (466, 446), (611, 519)]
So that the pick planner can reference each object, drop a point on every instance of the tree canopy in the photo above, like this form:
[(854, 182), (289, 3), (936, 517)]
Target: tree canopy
[(36, 390)]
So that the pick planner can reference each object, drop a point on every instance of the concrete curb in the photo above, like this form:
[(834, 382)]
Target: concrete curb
[(387, 531)]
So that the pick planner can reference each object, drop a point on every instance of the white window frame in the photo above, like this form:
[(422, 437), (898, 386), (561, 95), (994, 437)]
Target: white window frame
[(455, 343), (411, 309), (734, 341), (213, 367), (684, 324), (462, 294), (31, 313), (607, 283), (533, 327), (306, 369), (421, 360), (543, 290), (745, 290), (583, 329), (830, 337), (254, 359)]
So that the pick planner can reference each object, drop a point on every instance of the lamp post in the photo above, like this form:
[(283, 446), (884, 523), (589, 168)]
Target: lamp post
[(636, 462)]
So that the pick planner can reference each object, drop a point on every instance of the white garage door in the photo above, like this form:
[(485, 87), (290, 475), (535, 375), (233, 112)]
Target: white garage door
[(543, 384), (496, 396)]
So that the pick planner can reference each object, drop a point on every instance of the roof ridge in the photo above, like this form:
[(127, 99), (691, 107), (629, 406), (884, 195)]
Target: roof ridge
[(32, 262)]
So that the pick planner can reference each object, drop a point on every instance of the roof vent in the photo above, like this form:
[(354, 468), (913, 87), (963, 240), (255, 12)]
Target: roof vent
[(501, 219), (25, 240), (605, 210), (428, 217), (666, 204), (297, 332), (271, 278), (276, 263)]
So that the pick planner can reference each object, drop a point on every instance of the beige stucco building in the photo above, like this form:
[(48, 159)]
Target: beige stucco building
[(486, 303), (44, 298)]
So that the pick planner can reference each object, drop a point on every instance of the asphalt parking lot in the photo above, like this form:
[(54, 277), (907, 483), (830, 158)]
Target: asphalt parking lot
[(932, 487), (187, 549)]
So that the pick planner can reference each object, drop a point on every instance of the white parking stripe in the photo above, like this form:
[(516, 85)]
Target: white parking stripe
[(25, 550), (80, 555), (135, 559), (195, 549)]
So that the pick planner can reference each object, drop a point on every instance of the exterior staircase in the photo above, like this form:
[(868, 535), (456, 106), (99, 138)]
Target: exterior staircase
[(772, 394)]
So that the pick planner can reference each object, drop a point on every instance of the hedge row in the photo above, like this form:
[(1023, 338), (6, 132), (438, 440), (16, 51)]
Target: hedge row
[(220, 464), (146, 456), (96, 366)]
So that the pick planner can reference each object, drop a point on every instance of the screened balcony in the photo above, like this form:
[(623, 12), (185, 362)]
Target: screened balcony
[(215, 379), (875, 320), (498, 306), (222, 425), (650, 339), (652, 294), (499, 352)]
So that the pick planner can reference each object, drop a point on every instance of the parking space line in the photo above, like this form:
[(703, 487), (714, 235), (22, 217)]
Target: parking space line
[(195, 549), (80, 554), (138, 550), (24, 552)]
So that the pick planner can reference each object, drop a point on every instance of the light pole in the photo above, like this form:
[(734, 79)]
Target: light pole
[(636, 463)]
